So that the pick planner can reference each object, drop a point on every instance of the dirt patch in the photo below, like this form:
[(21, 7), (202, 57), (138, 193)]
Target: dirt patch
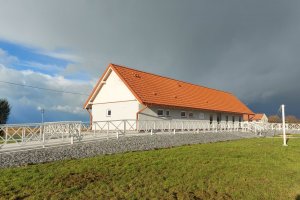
[(80, 180)]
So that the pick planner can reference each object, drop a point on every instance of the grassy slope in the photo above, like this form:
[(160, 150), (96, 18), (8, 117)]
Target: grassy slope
[(245, 169)]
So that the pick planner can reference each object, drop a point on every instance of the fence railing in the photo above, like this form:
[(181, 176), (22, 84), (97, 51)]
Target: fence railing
[(290, 127), (39, 134), (18, 136), (124, 126)]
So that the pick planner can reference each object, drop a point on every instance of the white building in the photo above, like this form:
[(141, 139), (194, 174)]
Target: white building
[(259, 117), (125, 93)]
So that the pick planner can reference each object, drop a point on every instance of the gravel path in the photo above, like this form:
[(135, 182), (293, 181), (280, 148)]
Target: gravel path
[(123, 144)]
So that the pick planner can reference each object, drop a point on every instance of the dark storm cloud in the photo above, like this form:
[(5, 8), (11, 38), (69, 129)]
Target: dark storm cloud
[(250, 48)]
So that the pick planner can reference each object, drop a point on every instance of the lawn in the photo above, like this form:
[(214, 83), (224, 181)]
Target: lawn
[(245, 169)]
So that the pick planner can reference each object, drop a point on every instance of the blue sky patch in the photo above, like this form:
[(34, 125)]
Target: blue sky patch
[(31, 59)]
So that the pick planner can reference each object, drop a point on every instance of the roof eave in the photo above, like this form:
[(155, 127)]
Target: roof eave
[(88, 103), (193, 108), (90, 99)]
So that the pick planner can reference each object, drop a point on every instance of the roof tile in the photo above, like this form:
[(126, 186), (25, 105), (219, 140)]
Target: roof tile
[(153, 89)]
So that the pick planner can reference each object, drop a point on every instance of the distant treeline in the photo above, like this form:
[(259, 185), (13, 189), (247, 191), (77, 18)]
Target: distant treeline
[(288, 119)]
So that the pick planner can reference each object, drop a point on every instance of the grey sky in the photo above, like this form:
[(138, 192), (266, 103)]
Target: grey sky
[(250, 48)]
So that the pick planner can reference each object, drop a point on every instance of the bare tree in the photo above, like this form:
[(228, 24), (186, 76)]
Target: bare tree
[(291, 119), (274, 119), (288, 119)]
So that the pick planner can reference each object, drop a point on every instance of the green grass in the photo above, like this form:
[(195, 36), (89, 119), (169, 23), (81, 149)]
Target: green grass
[(244, 169)]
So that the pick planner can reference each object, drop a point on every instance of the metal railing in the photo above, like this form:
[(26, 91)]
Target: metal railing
[(19, 136)]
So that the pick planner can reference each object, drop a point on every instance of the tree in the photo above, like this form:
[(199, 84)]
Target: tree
[(4, 111), (288, 119), (274, 119), (291, 119)]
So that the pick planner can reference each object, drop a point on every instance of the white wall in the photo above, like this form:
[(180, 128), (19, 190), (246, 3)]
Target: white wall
[(114, 95), (151, 114), (119, 111), (264, 119), (113, 90)]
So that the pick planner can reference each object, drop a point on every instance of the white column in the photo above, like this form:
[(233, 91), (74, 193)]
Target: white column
[(283, 125)]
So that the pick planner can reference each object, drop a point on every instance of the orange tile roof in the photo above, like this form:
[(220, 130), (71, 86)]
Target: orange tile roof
[(258, 116), (247, 117), (151, 89)]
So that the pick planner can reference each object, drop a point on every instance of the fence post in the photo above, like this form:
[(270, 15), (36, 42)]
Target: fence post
[(107, 129), (94, 129), (40, 133), (72, 139), (124, 126), (43, 132), (6, 132), (80, 125), (68, 132), (23, 134), (146, 127), (174, 131), (272, 127)]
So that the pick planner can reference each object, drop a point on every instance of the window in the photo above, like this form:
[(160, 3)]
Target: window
[(160, 112), (191, 115), (240, 119), (211, 119), (167, 113), (108, 112), (233, 119), (183, 114), (227, 119), (201, 116)]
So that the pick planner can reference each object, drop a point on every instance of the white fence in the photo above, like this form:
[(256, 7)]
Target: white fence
[(129, 126), (20, 136), (16, 136)]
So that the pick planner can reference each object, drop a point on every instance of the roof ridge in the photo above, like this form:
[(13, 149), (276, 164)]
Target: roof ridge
[(117, 65)]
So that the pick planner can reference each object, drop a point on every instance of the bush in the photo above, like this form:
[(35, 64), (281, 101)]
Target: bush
[(4, 113)]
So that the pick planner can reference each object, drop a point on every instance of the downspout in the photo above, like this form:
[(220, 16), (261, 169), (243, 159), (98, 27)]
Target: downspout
[(137, 114), (250, 117)]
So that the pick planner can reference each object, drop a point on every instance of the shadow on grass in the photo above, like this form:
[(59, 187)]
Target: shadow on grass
[(297, 197)]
